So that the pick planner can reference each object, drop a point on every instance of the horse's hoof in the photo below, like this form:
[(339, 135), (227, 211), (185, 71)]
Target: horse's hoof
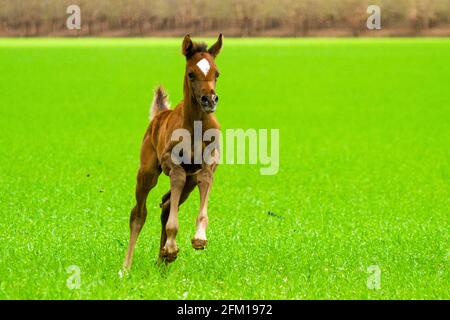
[(199, 244), (124, 272), (168, 255)]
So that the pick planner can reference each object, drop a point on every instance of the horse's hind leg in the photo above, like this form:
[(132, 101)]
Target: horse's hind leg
[(146, 179), (165, 210)]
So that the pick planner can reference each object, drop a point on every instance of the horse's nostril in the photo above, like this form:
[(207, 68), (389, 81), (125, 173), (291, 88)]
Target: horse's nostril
[(204, 99), (216, 99)]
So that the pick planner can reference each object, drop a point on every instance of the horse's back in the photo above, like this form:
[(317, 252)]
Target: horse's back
[(162, 126)]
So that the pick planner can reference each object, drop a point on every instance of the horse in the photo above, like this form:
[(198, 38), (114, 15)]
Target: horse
[(199, 104)]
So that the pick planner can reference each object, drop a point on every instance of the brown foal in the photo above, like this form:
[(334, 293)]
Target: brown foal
[(199, 103)]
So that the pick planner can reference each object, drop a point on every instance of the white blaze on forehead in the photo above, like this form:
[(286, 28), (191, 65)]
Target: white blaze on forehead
[(204, 66)]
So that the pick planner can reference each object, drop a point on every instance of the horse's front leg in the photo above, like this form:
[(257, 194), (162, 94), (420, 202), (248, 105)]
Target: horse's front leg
[(177, 181), (204, 181)]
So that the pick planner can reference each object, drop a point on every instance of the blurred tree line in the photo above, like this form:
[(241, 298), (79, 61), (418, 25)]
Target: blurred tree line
[(232, 17)]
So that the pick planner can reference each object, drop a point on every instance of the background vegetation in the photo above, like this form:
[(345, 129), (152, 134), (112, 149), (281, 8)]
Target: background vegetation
[(232, 17)]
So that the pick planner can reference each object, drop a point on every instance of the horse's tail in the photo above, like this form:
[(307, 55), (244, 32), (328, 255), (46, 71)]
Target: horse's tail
[(159, 103)]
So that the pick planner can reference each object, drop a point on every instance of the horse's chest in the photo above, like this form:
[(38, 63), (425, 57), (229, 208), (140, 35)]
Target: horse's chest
[(191, 168), (193, 160), (189, 159)]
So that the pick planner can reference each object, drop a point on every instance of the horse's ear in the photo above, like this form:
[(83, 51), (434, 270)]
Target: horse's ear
[(187, 46), (215, 48)]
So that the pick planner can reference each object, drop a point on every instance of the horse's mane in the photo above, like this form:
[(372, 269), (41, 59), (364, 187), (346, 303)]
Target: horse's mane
[(197, 47)]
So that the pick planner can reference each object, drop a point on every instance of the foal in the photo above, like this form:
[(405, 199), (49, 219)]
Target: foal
[(199, 103)]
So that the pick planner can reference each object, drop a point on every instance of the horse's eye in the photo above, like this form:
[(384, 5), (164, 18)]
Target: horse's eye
[(191, 75), (217, 74)]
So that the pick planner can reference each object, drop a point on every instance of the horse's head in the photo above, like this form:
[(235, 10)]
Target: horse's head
[(201, 72)]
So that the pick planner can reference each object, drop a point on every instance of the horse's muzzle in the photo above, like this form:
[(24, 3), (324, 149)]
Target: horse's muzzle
[(209, 103)]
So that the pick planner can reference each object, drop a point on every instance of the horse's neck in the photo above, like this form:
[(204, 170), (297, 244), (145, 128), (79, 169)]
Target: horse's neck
[(192, 112)]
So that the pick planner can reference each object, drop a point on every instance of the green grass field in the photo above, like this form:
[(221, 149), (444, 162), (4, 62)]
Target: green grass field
[(363, 180)]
